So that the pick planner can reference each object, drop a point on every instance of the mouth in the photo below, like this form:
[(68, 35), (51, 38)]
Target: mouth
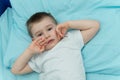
[(50, 41)]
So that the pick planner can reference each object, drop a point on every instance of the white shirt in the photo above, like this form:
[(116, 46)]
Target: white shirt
[(63, 62)]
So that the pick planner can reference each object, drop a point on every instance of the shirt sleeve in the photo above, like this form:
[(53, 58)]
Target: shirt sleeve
[(76, 39), (33, 65)]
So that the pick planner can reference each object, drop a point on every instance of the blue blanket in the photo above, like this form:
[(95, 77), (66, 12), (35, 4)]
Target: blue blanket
[(101, 55)]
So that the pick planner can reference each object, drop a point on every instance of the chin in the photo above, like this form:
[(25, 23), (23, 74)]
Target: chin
[(49, 47)]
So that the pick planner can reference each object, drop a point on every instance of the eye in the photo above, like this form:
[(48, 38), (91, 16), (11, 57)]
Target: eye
[(49, 29), (40, 34)]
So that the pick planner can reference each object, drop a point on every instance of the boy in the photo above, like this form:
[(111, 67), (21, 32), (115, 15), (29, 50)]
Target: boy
[(54, 52)]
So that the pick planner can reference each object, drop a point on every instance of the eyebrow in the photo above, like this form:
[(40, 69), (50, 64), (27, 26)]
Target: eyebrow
[(45, 26), (49, 25)]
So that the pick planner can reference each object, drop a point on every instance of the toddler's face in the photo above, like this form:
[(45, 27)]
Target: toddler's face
[(46, 30)]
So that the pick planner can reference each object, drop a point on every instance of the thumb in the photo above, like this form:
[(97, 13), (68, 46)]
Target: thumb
[(58, 35), (60, 31)]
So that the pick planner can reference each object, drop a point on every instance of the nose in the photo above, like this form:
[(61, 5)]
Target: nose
[(46, 35)]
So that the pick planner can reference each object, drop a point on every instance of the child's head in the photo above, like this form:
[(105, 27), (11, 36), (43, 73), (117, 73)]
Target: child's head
[(43, 25)]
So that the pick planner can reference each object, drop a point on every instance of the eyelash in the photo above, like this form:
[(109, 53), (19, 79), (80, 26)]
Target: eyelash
[(41, 33), (49, 29)]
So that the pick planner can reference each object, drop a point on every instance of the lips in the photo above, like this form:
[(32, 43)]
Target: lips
[(50, 41)]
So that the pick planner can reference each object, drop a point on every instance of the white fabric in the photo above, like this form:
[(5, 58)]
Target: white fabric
[(63, 62)]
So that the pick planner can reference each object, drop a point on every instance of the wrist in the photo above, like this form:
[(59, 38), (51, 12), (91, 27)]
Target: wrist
[(30, 51), (68, 24)]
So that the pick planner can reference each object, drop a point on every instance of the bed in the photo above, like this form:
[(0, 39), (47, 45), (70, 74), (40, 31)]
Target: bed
[(101, 55)]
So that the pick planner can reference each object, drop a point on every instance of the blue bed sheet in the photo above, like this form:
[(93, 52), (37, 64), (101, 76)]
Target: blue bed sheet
[(101, 55), (4, 36), (6, 22)]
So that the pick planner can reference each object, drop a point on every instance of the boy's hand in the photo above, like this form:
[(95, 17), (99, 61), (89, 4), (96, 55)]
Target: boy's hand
[(61, 29), (37, 45)]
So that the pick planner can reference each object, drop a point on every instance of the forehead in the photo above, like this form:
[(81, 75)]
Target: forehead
[(43, 24)]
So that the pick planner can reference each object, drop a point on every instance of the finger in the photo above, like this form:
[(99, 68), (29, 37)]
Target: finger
[(59, 29), (39, 40), (63, 32), (42, 42), (58, 35), (34, 43), (42, 48), (37, 44)]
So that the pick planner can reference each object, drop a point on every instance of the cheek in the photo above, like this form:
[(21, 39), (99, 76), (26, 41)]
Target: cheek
[(55, 34), (42, 37), (52, 32)]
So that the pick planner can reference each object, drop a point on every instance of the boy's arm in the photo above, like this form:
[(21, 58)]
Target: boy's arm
[(88, 28), (21, 64)]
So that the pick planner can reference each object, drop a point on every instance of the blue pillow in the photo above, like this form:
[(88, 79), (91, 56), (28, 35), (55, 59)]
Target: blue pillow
[(3, 5)]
